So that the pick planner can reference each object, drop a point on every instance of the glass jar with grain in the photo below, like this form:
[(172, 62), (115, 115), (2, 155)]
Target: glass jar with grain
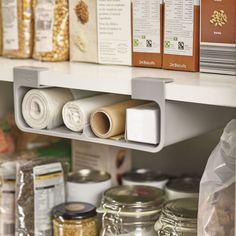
[(74, 218)]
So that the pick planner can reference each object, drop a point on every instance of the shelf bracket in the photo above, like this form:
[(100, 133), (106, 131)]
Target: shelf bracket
[(152, 89)]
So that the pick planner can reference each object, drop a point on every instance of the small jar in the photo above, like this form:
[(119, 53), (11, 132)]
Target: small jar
[(145, 177), (178, 218), (185, 187), (74, 218), (130, 210)]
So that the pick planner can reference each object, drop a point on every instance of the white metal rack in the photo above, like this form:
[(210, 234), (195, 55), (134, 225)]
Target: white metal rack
[(192, 104)]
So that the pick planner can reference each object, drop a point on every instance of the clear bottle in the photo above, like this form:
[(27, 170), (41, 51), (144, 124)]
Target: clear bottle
[(73, 219), (178, 218), (130, 210)]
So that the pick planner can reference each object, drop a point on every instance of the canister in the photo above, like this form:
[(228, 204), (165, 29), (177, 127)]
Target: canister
[(74, 218), (87, 185), (130, 210), (178, 217), (186, 187), (145, 177)]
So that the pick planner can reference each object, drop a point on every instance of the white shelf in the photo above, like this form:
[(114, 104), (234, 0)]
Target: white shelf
[(187, 87)]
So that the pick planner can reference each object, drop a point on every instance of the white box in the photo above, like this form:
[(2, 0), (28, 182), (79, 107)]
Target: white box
[(105, 35), (142, 124), (113, 160)]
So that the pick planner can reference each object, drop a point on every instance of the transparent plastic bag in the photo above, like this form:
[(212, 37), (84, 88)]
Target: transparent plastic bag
[(51, 30), (7, 196), (216, 215), (17, 25), (40, 185)]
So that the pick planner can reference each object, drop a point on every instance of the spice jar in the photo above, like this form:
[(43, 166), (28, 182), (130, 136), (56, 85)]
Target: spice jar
[(74, 218), (178, 218), (130, 210)]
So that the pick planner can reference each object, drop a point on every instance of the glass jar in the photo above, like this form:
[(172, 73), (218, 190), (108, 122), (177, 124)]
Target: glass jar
[(74, 218), (178, 218), (185, 187), (130, 210)]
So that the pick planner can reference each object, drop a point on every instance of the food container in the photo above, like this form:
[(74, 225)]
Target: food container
[(145, 177), (51, 30), (17, 28), (178, 217), (187, 187), (74, 218), (88, 185), (7, 197), (130, 210)]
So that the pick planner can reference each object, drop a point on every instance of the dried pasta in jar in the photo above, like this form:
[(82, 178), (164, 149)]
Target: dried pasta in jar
[(51, 30), (17, 25)]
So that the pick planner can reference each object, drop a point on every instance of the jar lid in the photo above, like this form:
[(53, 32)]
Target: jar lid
[(186, 208), (74, 211), (144, 175), (89, 176), (134, 198), (186, 185)]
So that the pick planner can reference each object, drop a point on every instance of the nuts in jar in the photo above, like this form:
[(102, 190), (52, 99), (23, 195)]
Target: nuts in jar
[(51, 30), (74, 218), (17, 32)]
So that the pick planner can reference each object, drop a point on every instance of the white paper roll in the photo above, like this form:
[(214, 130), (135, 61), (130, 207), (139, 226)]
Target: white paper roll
[(87, 192), (76, 114), (41, 108)]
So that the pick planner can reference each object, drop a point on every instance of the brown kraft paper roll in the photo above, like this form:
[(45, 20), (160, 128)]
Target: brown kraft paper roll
[(109, 121)]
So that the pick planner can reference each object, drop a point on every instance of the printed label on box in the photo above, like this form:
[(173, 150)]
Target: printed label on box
[(10, 25), (146, 26), (114, 31), (179, 23)]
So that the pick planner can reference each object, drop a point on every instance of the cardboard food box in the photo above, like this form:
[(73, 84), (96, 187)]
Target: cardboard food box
[(181, 35), (218, 37), (100, 31), (147, 33), (113, 160)]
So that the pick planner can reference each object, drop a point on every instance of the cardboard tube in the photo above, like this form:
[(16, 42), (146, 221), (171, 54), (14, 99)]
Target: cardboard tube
[(109, 121)]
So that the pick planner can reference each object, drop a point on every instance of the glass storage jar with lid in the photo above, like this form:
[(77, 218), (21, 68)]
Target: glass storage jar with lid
[(74, 218), (130, 210), (178, 218)]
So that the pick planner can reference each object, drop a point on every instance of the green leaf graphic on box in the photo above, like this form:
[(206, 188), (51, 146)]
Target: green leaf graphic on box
[(167, 44), (136, 42)]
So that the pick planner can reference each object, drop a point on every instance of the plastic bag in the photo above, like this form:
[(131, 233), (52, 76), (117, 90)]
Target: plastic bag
[(217, 189), (7, 197), (17, 24), (40, 185), (51, 30)]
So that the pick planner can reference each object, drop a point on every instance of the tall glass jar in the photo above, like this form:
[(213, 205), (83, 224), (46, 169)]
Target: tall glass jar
[(178, 218), (130, 210), (73, 219)]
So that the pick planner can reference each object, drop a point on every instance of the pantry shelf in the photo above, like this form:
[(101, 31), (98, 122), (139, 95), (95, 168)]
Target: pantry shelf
[(191, 87)]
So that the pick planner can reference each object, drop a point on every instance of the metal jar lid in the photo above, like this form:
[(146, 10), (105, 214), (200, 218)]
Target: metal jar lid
[(133, 198), (185, 185), (182, 208), (74, 211), (144, 175), (89, 176)]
